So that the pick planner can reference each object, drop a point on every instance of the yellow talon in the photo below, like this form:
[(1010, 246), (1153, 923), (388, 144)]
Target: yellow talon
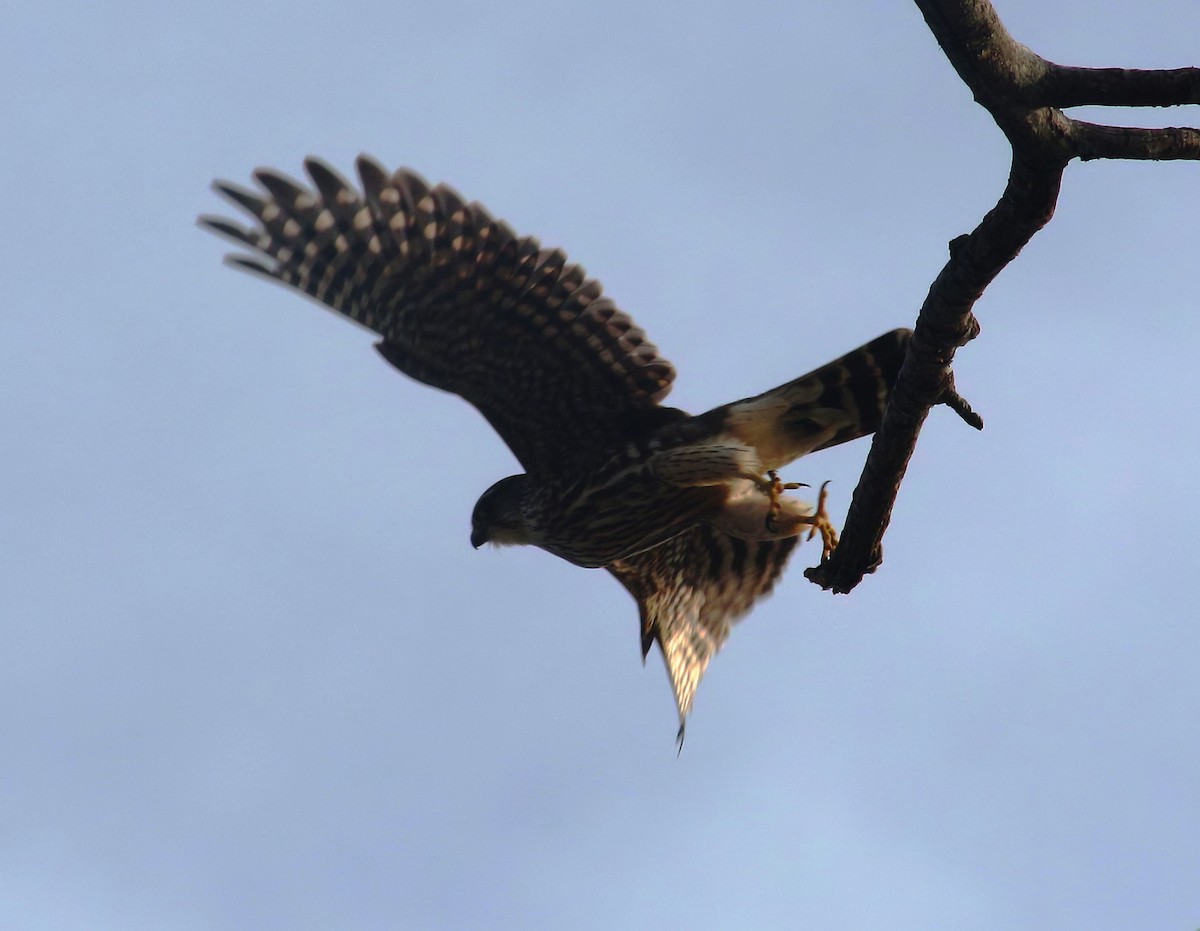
[(823, 525), (819, 520), (772, 487)]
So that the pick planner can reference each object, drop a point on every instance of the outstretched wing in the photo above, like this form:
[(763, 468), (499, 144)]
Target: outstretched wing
[(462, 303), (691, 590), (842, 400)]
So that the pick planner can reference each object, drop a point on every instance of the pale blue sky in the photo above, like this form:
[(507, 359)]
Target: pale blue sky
[(253, 676)]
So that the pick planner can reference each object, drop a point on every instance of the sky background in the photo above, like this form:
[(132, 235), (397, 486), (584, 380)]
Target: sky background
[(253, 676)]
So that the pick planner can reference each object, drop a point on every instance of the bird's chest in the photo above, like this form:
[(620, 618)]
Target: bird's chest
[(614, 510)]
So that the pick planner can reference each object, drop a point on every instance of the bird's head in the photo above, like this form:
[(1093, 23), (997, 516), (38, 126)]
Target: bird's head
[(499, 515)]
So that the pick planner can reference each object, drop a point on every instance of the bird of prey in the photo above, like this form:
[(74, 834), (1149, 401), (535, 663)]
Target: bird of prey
[(685, 511)]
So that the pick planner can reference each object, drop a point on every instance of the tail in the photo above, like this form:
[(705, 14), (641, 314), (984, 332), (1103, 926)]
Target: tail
[(840, 401), (690, 592)]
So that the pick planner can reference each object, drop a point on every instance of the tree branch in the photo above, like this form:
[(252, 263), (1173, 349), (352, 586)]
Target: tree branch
[(1092, 140), (1068, 86), (945, 322), (1024, 94)]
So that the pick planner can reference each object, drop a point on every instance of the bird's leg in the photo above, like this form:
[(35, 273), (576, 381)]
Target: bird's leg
[(772, 487)]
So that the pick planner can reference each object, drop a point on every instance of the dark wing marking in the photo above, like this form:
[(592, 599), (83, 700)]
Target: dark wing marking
[(840, 401), (691, 590), (462, 303), (859, 383)]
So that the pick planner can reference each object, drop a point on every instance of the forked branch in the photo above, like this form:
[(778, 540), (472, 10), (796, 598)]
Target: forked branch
[(1026, 95)]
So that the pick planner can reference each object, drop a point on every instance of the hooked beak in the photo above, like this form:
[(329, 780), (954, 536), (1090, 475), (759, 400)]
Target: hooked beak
[(478, 537)]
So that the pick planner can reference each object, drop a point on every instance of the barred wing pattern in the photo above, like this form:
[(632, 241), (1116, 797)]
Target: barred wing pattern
[(691, 590), (838, 402), (462, 303), (847, 397)]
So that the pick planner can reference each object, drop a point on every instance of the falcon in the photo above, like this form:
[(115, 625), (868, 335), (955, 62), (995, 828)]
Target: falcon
[(687, 512)]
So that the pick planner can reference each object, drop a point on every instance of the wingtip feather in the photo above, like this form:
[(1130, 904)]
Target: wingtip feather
[(222, 227), (333, 187), (242, 197), (247, 264)]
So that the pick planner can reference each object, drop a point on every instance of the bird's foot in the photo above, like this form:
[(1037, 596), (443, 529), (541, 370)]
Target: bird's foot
[(773, 488), (823, 525)]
